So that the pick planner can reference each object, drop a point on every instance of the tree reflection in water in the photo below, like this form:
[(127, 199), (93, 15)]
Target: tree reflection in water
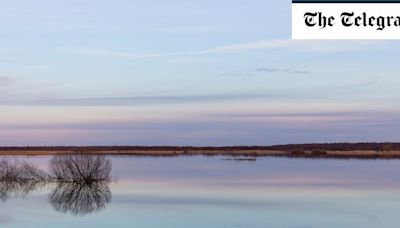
[(80, 198), (79, 182), (12, 189), (18, 179)]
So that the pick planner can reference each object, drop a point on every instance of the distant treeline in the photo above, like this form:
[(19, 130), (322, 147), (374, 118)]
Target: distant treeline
[(288, 147), (338, 146)]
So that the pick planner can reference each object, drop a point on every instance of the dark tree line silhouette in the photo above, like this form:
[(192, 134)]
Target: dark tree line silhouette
[(384, 146)]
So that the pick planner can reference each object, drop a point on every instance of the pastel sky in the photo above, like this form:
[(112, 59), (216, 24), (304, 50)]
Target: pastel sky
[(186, 72)]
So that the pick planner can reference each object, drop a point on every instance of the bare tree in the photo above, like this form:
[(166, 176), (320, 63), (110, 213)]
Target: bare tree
[(82, 168), (80, 182), (18, 179), (20, 171)]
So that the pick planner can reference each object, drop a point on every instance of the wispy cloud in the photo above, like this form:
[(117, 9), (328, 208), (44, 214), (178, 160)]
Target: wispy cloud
[(191, 29), (300, 45), (314, 115), (225, 129), (288, 70), (325, 94), (124, 54), (140, 100), (297, 45), (260, 70), (239, 74)]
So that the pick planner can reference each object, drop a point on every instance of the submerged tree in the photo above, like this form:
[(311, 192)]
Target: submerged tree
[(82, 168), (20, 171), (18, 179), (80, 182)]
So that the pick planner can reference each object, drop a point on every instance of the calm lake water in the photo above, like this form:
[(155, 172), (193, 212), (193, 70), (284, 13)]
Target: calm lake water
[(208, 192)]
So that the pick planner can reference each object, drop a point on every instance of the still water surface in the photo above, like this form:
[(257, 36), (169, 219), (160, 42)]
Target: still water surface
[(199, 192)]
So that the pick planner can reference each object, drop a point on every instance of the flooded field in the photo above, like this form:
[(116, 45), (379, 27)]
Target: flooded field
[(197, 191)]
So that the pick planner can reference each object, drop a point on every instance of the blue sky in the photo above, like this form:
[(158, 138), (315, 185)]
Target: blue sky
[(113, 72)]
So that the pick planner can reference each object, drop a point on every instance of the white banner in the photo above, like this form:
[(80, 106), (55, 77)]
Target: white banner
[(346, 21)]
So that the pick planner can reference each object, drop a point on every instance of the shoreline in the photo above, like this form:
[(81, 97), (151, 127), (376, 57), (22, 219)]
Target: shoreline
[(391, 154)]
